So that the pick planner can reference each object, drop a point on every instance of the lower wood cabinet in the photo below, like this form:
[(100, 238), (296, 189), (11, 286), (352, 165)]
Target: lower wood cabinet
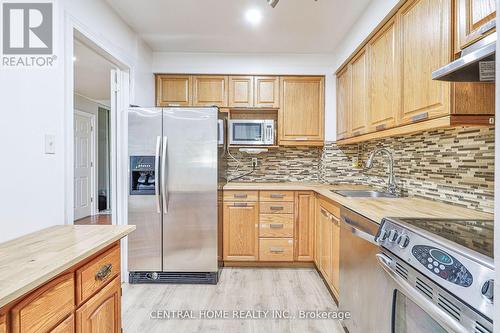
[(3, 324), (304, 229), (241, 231), (278, 249), (326, 248), (67, 326), (101, 314)]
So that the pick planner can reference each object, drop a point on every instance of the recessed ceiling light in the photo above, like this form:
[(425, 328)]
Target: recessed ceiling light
[(253, 16)]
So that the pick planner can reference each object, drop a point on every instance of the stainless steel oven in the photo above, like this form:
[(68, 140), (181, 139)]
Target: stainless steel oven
[(251, 132)]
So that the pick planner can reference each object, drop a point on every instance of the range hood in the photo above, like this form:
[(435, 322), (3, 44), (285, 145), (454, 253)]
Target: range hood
[(476, 63)]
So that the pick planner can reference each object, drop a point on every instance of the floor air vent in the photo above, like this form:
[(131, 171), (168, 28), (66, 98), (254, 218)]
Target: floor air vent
[(481, 329), (424, 287), (173, 277), (449, 307)]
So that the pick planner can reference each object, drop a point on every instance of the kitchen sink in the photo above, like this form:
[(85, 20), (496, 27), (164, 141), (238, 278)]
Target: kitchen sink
[(364, 194)]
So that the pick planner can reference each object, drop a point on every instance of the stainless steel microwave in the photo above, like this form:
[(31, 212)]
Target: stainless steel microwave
[(252, 132)]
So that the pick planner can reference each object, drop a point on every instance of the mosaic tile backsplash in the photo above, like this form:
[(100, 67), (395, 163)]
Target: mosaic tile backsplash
[(450, 165)]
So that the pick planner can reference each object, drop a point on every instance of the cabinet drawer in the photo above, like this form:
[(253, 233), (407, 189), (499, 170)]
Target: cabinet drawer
[(276, 207), (276, 225), (241, 195), (276, 249), (94, 275), (276, 196), (45, 307)]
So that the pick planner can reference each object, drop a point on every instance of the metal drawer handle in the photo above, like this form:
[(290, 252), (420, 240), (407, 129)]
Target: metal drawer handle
[(277, 196), (276, 250), (487, 27), (380, 127), (241, 196), (240, 204), (276, 208), (325, 213), (276, 225), (420, 116), (104, 272)]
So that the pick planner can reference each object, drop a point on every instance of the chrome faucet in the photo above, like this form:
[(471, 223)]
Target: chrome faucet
[(391, 182)]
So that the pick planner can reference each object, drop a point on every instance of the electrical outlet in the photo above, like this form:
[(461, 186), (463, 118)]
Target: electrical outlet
[(255, 162)]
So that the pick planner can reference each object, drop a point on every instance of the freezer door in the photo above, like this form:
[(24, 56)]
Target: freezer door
[(144, 204), (189, 187)]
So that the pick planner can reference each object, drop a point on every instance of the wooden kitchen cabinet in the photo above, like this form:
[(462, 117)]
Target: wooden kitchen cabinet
[(3, 323), (173, 90), (474, 21), (101, 314), (329, 247), (359, 94), (301, 116), (241, 91), (304, 236), (326, 250), (241, 231), (266, 91), (384, 78), (344, 78), (210, 90), (67, 326), (425, 47)]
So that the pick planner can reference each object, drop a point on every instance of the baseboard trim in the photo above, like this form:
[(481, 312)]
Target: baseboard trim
[(270, 264)]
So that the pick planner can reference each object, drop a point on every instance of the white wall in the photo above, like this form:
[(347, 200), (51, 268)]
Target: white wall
[(33, 104), (295, 64)]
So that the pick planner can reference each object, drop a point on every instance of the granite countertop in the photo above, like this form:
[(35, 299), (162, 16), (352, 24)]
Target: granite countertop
[(29, 261), (373, 208)]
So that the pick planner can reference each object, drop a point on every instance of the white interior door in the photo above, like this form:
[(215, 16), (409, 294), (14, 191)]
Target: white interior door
[(83, 180)]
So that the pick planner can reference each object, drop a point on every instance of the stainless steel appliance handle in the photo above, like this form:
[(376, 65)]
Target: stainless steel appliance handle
[(164, 184), (430, 308), (157, 174), (360, 233)]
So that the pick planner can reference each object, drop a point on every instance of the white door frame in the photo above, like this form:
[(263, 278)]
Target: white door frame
[(93, 153), (74, 29)]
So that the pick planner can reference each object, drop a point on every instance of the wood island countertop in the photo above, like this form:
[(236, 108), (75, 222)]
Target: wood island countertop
[(373, 208), (30, 261)]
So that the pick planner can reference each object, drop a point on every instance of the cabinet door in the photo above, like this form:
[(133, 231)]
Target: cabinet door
[(240, 91), (267, 92), (336, 255), (343, 103), (359, 93), (471, 17), (241, 231), (425, 46), (301, 116), (304, 235), (67, 326), (3, 324), (317, 233), (173, 90), (210, 90), (326, 245), (101, 313), (384, 85)]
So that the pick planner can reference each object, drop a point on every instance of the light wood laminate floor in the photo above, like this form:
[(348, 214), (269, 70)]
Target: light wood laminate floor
[(238, 289)]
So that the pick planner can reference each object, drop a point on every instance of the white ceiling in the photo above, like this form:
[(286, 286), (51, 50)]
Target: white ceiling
[(294, 26)]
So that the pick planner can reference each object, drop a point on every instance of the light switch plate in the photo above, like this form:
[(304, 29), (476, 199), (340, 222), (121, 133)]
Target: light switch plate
[(50, 144)]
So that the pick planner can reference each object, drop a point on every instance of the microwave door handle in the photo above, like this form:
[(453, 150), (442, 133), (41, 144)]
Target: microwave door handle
[(157, 174), (164, 178), (430, 308)]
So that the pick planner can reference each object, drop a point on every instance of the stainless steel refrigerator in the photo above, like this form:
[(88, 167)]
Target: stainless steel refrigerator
[(176, 169)]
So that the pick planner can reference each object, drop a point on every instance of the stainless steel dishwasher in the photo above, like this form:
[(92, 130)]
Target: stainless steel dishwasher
[(365, 290)]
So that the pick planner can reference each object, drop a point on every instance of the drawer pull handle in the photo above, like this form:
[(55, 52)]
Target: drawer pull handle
[(276, 250), (276, 208), (104, 272), (276, 226), (380, 127), (241, 196), (487, 27), (277, 196), (420, 116), (240, 204)]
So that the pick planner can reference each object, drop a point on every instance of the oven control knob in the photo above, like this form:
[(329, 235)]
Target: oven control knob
[(403, 241), (487, 289), (383, 235), (393, 235)]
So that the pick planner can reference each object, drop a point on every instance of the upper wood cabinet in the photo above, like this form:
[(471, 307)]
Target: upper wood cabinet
[(471, 19), (426, 46), (359, 94), (241, 91), (210, 90), (304, 234), (173, 90), (241, 231), (384, 78), (301, 116), (343, 102), (266, 92)]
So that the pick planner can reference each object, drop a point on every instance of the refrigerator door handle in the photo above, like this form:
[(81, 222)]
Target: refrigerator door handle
[(164, 185), (157, 173)]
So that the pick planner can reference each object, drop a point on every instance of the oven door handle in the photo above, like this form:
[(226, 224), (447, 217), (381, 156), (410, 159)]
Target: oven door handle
[(430, 308)]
